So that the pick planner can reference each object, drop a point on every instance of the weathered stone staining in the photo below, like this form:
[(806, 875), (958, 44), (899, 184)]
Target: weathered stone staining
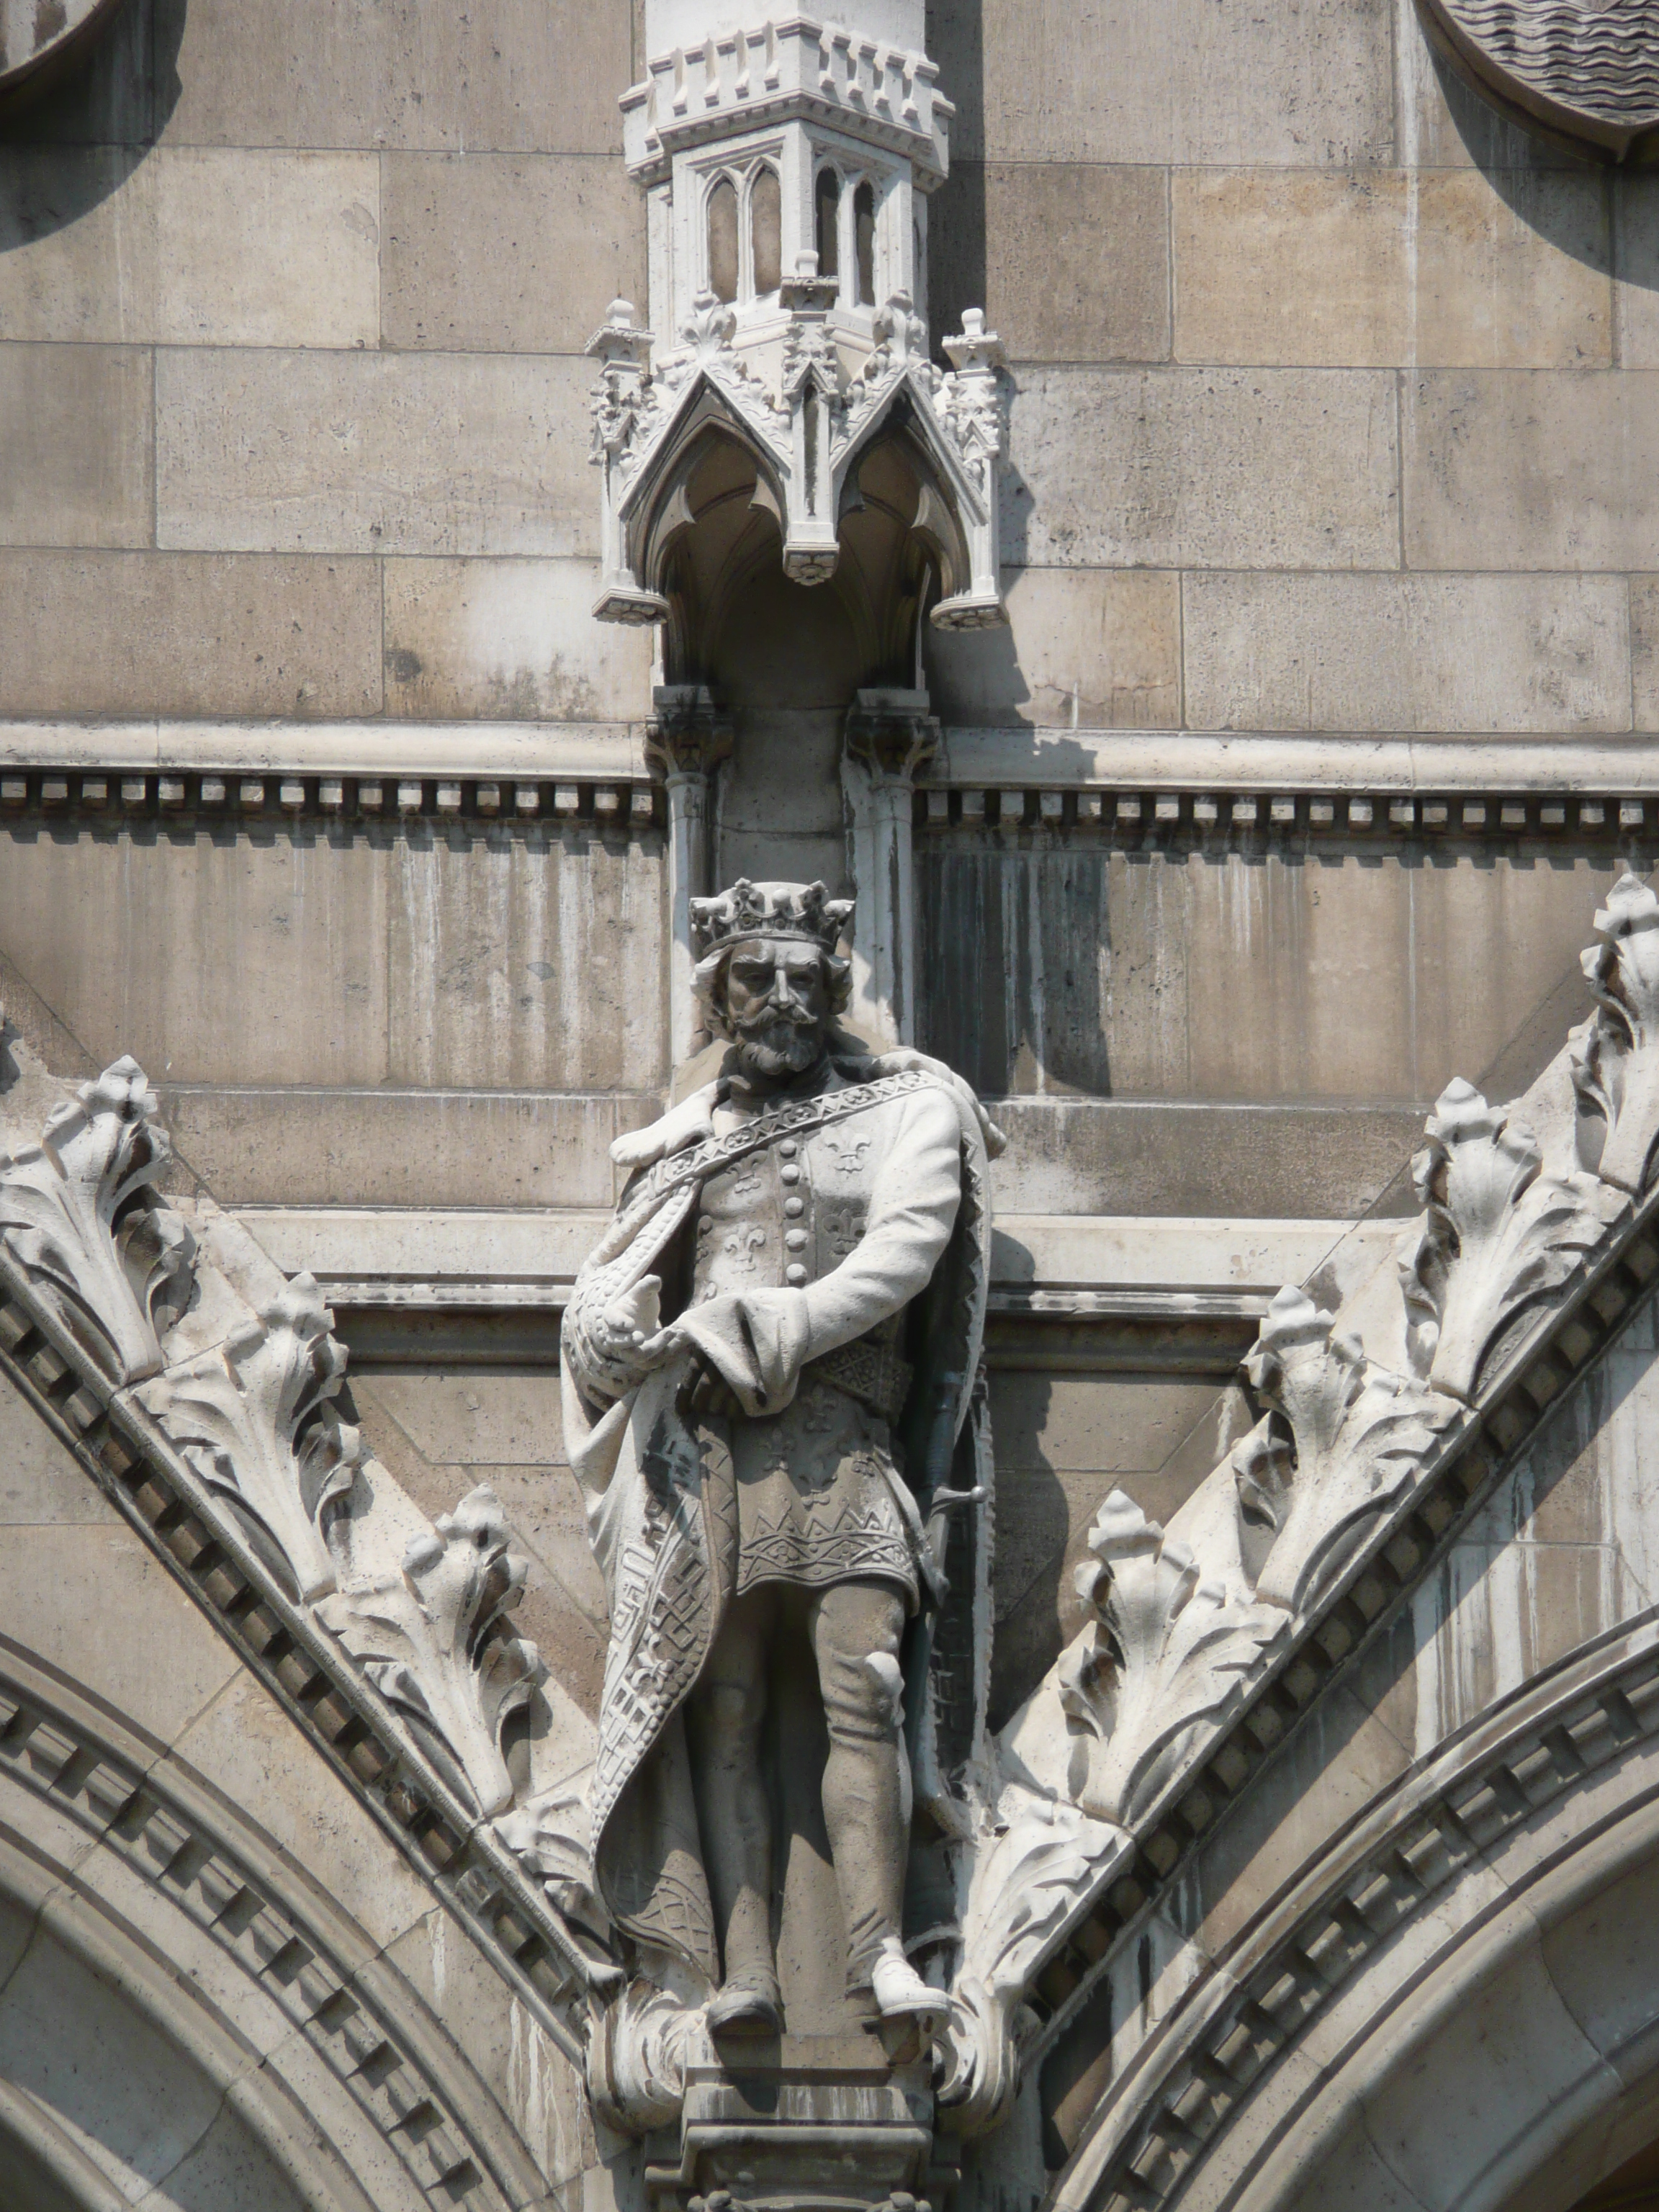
[(1236, 1770), (1192, 1624)]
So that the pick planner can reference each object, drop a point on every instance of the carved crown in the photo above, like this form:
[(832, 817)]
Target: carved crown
[(801, 910)]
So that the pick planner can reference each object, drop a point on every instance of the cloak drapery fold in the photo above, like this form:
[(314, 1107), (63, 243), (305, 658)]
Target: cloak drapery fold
[(660, 1486)]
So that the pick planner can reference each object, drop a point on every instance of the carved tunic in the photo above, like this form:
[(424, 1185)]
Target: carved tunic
[(818, 1490)]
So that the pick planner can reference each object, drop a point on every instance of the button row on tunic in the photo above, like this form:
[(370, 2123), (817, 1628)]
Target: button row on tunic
[(795, 1207), (795, 1275)]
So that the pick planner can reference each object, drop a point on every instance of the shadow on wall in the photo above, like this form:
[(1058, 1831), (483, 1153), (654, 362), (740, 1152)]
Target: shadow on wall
[(956, 214), (88, 130), (1567, 199)]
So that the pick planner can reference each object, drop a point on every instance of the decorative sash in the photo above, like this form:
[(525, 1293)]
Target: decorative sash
[(701, 1161)]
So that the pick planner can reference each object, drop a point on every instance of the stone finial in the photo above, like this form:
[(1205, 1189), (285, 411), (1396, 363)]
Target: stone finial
[(77, 1215), (1500, 1235), (1341, 1441), (1164, 1660), (254, 1418), (427, 1641), (1615, 1054)]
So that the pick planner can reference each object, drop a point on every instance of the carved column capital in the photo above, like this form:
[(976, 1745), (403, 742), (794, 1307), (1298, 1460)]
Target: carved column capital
[(690, 733), (890, 733), (690, 736)]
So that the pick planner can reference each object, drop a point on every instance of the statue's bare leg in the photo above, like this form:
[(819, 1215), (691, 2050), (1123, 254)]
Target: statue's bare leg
[(856, 1627), (725, 1715)]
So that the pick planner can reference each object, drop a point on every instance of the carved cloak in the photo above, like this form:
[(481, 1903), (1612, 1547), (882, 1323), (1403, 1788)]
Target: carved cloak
[(661, 1503)]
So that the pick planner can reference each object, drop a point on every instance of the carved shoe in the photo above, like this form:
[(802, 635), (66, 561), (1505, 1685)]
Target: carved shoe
[(745, 2008), (899, 1991)]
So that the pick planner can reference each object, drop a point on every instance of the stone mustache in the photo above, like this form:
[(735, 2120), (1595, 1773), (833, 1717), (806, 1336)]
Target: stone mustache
[(768, 1360)]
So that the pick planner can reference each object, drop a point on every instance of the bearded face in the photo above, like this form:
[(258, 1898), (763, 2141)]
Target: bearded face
[(776, 1008)]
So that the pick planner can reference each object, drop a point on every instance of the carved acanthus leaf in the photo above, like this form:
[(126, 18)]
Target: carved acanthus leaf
[(1166, 1658), (708, 328), (1045, 1856), (639, 2044), (254, 1420), (428, 1640), (78, 1214), (1500, 1235), (1615, 1054), (1343, 1440)]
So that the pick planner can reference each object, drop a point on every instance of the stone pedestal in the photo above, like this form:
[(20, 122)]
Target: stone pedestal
[(806, 2123)]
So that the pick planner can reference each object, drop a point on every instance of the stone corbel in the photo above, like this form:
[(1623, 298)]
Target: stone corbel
[(889, 734), (688, 740)]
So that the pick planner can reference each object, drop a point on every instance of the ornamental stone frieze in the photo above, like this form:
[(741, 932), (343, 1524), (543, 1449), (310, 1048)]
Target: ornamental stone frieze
[(786, 164), (777, 1471)]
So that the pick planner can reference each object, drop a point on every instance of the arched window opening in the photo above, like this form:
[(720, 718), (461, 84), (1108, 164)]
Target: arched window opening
[(766, 231), (826, 211), (723, 240), (863, 242)]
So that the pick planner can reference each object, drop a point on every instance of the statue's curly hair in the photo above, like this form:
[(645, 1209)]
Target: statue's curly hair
[(708, 981)]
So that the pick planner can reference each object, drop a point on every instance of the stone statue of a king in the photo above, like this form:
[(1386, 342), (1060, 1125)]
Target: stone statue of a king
[(766, 1362)]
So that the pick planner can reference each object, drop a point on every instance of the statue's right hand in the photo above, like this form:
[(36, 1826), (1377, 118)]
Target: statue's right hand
[(636, 1315)]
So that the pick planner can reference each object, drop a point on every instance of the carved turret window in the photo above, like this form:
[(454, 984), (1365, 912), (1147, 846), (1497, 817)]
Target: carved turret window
[(864, 243), (766, 231), (723, 240), (826, 213)]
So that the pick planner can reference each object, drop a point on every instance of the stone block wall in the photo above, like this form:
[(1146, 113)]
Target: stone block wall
[(291, 314), (1334, 390)]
